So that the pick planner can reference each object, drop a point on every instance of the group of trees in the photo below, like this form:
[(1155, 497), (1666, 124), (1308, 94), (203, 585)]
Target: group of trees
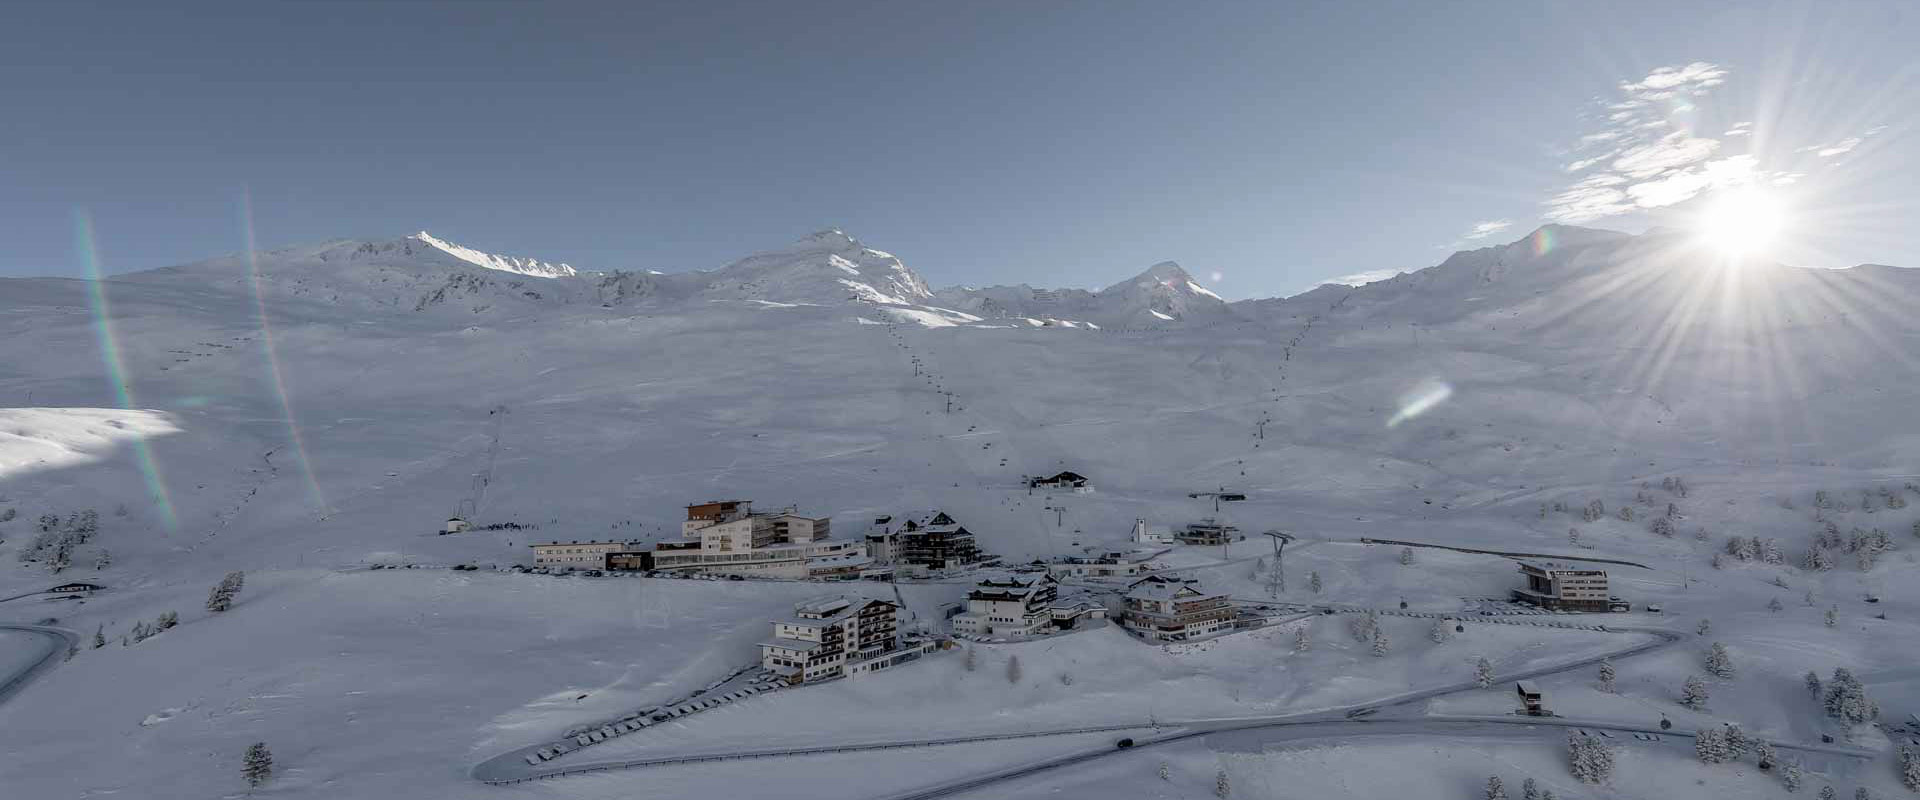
[(144, 630), (1529, 790), (57, 541), (1590, 759)]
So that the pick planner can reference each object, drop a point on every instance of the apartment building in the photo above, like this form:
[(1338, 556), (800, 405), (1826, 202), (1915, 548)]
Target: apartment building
[(1012, 606), (831, 637), (576, 555), (924, 543), (727, 537), (1560, 587), (1172, 610)]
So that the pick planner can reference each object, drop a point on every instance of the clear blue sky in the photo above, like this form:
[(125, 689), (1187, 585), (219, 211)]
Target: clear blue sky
[(1065, 144)]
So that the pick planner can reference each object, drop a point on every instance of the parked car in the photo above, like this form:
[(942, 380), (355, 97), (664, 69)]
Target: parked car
[(1123, 744)]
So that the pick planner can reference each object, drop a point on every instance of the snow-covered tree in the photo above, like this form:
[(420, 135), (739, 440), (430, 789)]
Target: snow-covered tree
[(8, 515), (1693, 693), (1626, 513), (1221, 786), (1406, 556), (1847, 700), (1740, 547), (970, 660), (1821, 500), (49, 523), (1381, 644), (1790, 777), (1302, 641), (1738, 743), (221, 598), (258, 764), (1833, 615), (1606, 676), (1662, 526), (99, 637), (1313, 582), (167, 620), (1363, 626), (1718, 561), (1710, 746), (1529, 790), (1862, 793), (1573, 536), (1013, 669), (1813, 684), (1594, 510), (1705, 627), (1673, 510), (1495, 789), (1770, 551), (1827, 793), (1163, 770), (1910, 768), (1483, 673), (1774, 605), (1441, 631), (1719, 662), (1764, 755)]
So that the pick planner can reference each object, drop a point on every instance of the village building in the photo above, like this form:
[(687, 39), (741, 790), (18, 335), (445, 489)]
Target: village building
[(1208, 532), (456, 525), (1559, 587), (728, 537), (1097, 563), (833, 637), (576, 554), (1143, 536), (1068, 611), (1011, 607), (1172, 609), (1061, 481), (925, 543)]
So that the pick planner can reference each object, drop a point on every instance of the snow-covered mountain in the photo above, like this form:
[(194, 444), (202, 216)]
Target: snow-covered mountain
[(1163, 295), (390, 383)]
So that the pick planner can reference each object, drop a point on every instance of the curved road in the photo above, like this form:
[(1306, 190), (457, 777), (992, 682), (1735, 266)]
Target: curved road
[(55, 642), (511, 767)]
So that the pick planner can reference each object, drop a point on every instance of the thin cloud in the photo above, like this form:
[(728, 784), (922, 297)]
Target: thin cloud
[(1361, 278), (1648, 154), (1839, 148), (1482, 230)]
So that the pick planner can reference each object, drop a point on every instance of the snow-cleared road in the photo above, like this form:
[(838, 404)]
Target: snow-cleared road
[(1302, 725), (53, 643)]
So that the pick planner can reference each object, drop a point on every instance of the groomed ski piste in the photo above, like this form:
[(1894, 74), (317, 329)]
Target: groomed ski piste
[(1449, 405)]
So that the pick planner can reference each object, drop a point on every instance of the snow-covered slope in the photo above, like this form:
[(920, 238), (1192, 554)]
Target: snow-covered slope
[(1162, 296), (523, 266), (1446, 405)]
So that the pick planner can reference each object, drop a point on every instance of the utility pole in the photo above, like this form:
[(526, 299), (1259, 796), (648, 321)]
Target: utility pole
[(1218, 496)]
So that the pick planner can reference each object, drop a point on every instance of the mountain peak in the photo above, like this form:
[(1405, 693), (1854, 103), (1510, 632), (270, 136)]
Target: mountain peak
[(522, 266)]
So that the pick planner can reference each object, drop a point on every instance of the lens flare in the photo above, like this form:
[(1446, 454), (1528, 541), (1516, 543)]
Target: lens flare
[(275, 375), (116, 369), (1542, 241), (1423, 398)]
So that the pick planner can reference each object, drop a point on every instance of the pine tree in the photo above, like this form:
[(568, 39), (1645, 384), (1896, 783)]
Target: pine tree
[(1774, 605), (167, 620), (1495, 789), (1813, 684), (1662, 526), (258, 767), (1693, 693), (1381, 645), (1910, 768), (1406, 556), (1222, 788), (1833, 616), (1705, 626), (1313, 581), (1847, 699), (1737, 742), (1163, 770), (100, 637), (1790, 777), (1606, 676), (1441, 632), (102, 560), (1013, 669), (1483, 673), (1827, 793), (1578, 761), (220, 599), (1719, 662), (1529, 790), (1763, 754), (1548, 795), (1302, 641), (1862, 794), (1710, 746)]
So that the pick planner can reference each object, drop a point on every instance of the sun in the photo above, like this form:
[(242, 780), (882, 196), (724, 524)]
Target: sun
[(1742, 222)]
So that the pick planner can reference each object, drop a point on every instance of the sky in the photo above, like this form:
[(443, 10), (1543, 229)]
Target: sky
[(1265, 146)]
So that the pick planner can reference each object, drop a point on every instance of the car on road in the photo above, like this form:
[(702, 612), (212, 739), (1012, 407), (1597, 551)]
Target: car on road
[(1123, 744)]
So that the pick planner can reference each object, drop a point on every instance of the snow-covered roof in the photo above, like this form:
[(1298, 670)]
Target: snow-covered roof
[(1158, 588)]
